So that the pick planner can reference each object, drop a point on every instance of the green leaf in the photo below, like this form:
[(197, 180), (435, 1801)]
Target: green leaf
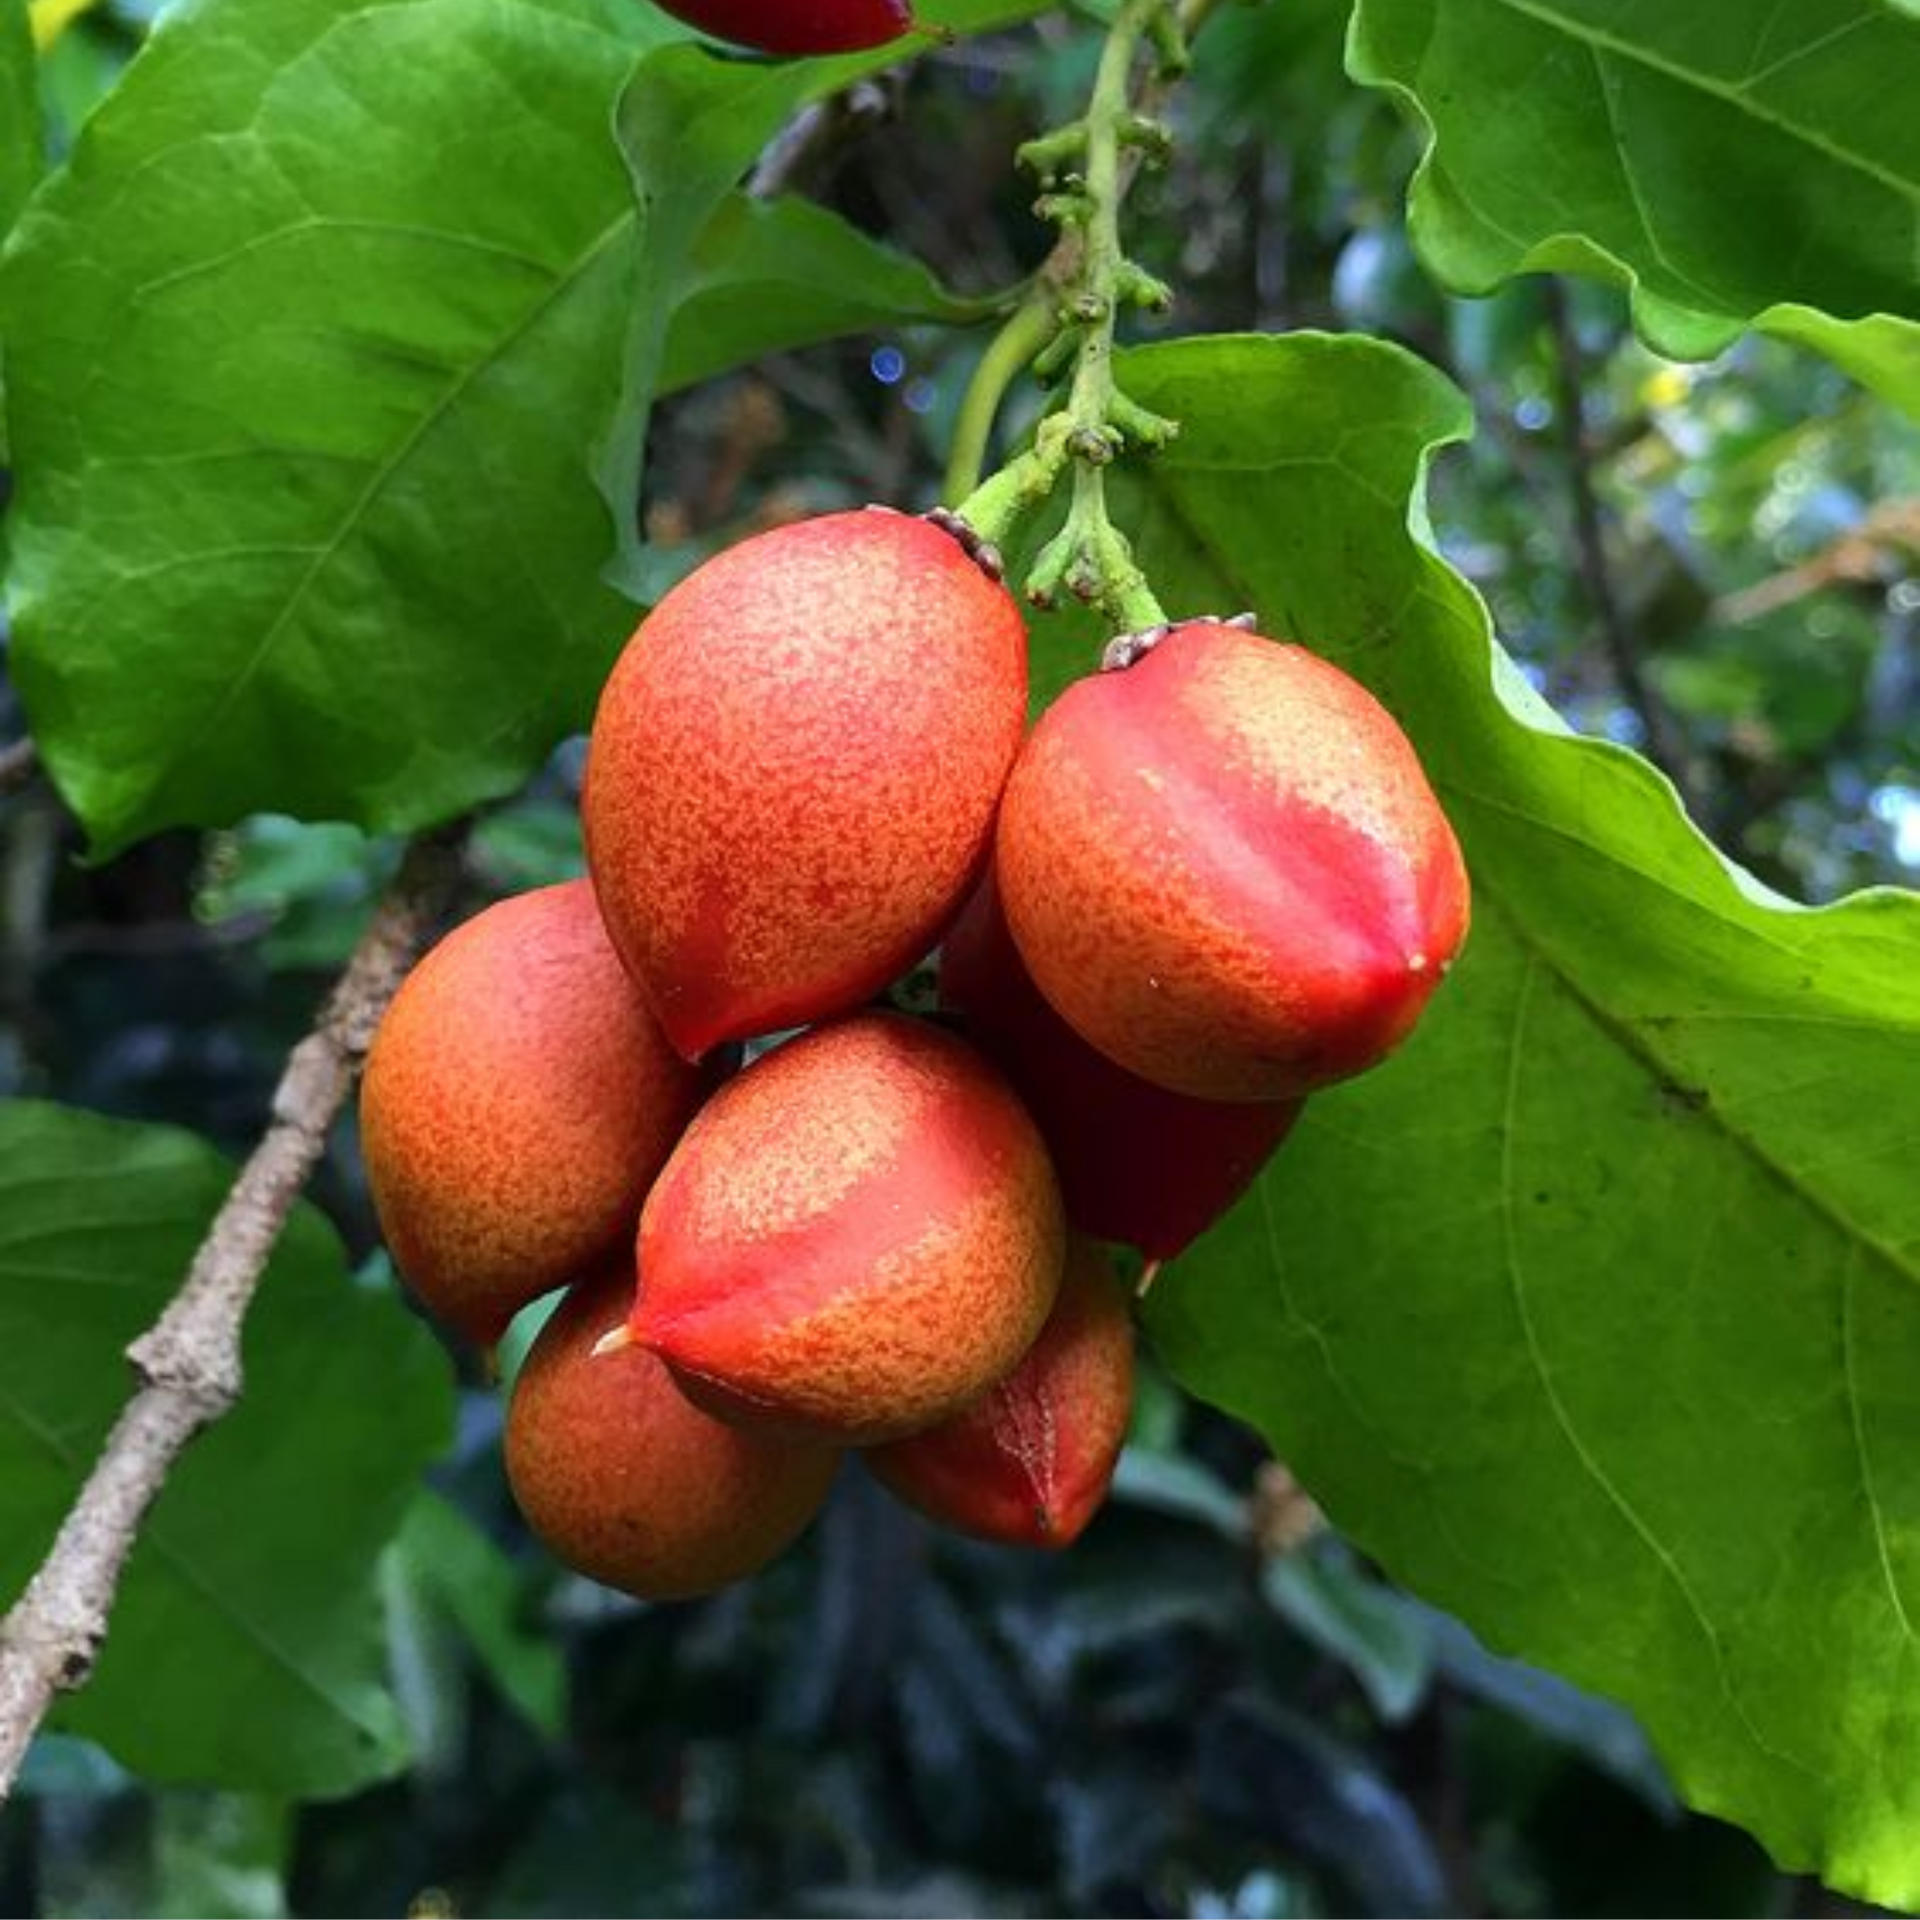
[(959, 16), (22, 139), (687, 125), (1592, 1315), (1375, 1633), (1734, 165), (245, 1647), (769, 274), (21, 153), (1882, 353), (307, 346)]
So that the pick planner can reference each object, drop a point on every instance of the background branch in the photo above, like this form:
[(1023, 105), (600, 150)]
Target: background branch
[(19, 764), (1666, 744), (188, 1364), (815, 135)]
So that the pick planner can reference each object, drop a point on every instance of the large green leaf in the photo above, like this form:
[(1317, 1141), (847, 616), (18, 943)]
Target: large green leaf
[(1593, 1314), (305, 348), (1735, 164), (311, 349), (246, 1647)]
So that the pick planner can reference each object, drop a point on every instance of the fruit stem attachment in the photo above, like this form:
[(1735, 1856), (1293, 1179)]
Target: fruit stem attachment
[(1085, 169)]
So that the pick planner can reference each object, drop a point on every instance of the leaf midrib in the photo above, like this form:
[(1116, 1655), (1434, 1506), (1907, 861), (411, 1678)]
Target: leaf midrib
[(1582, 1450), (376, 485), (1598, 40), (1633, 1040)]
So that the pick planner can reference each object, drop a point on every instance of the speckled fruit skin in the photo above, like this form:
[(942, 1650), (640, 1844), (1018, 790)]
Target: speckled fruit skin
[(518, 1101), (1137, 1165), (631, 1484), (856, 1237), (1224, 866), (797, 26), (794, 771), (1030, 1463)]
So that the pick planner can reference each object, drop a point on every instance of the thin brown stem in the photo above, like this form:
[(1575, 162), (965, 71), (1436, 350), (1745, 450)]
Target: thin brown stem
[(1666, 742), (187, 1364)]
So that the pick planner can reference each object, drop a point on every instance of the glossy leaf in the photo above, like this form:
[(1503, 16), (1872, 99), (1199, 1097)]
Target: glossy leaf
[(1733, 164), (687, 126), (245, 1648), (303, 359), (1592, 1315)]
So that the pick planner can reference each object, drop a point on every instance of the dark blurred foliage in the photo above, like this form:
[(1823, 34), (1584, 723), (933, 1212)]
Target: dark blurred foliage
[(1211, 1707)]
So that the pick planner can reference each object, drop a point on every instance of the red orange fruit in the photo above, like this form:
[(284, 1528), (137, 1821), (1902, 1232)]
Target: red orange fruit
[(1137, 1164), (519, 1099), (856, 1237), (631, 1484), (1029, 1464), (798, 26), (1224, 866), (795, 767)]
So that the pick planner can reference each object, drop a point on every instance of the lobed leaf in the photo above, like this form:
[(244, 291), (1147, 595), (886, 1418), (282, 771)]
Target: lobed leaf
[(1734, 165)]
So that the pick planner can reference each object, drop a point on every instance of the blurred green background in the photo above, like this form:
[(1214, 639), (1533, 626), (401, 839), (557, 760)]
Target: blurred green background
[(1211, 1707)]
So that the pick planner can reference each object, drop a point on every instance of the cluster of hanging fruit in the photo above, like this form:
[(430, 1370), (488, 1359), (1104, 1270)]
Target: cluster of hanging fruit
[(1211, 879)]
